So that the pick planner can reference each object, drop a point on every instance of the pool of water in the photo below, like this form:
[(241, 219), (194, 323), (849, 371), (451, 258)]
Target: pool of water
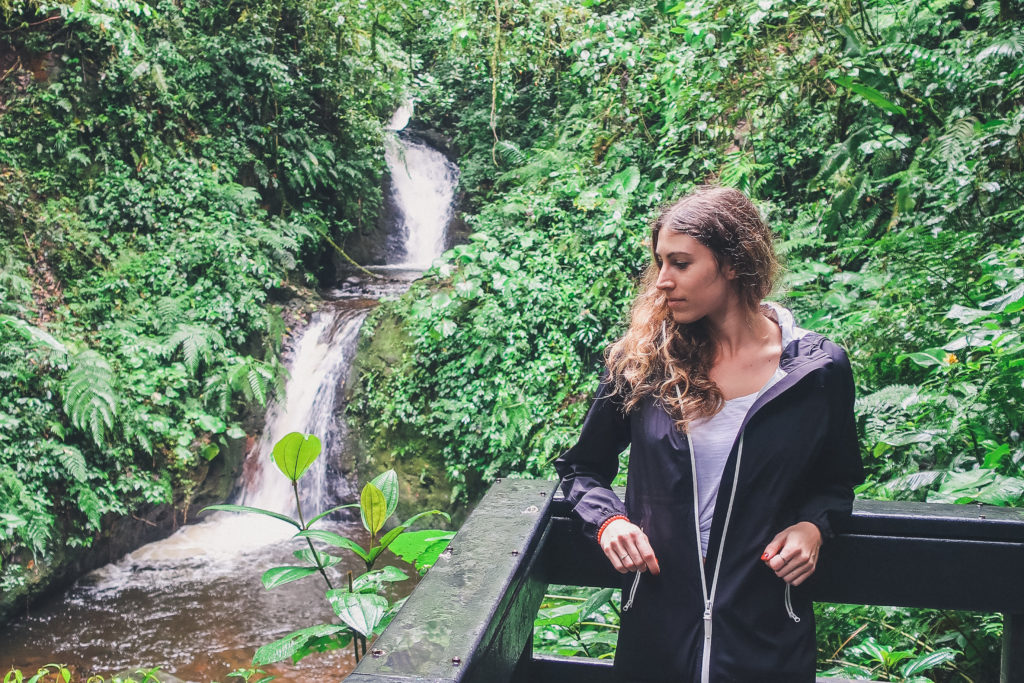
[(191, 604)]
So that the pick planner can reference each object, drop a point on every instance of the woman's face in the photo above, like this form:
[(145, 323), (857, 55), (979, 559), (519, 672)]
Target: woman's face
[(691, 278)]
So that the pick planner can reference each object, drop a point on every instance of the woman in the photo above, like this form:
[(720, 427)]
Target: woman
[(742, 447)]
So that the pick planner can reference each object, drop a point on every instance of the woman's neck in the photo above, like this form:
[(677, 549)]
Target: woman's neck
[(737, 329)]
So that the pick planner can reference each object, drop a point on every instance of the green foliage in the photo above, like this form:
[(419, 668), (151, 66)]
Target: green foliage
[(575, 621)]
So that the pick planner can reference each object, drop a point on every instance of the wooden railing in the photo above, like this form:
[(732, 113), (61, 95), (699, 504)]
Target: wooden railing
[(471, 617)]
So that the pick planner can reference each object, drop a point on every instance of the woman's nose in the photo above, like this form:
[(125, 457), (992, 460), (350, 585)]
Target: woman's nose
[(664, 282)]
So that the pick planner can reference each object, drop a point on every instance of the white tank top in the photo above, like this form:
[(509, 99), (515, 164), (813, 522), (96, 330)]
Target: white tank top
[(712, 441)]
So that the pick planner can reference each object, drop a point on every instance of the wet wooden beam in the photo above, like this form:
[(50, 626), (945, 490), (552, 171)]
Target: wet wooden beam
[(471, 617)]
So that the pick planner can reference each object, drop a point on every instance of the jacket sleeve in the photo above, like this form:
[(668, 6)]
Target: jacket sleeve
[(837, 469), (588, 468)]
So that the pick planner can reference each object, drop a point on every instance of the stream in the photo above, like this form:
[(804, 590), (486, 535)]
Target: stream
[(192, 604)]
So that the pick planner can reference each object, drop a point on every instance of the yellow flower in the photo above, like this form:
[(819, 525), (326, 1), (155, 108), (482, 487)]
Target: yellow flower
[(951, 358)]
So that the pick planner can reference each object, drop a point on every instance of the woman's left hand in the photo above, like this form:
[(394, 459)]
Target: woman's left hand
[(793, 553)]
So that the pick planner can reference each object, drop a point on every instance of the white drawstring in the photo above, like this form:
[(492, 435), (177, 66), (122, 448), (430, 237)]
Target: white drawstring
[(632, 593), (789, 606)]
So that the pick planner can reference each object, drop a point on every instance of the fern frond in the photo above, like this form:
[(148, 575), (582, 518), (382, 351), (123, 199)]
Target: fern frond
[(254, 379), (90, 398), (834, 163), (74, 462), (511, 153), (78, 154), (218, 389), (169, 310), (1012, 46), (90, 505), (36, 534), (952, 143), (197, 344), (936, 61)]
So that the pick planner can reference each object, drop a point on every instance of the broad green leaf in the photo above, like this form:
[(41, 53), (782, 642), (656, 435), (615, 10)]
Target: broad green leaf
[(386, 539), (421, 548), (333, 539), (412, 520), (926, 358), (386, 574), (387, 482), (563, 615), (390, 536), (372, 581), (995, 456), (33, 333), (964, 314), (317, 645), (373, 508), (1000, 303), (928, 661), (211, 423), (311, 557), (361, 611), (272, 578), (870, 94), (907, 438), (595, 601), (291, 643), (327, 512), (295, 452), (258, 511), (956, 482), (1003, 491)]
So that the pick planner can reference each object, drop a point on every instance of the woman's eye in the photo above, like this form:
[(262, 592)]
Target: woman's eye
[(681, 265)]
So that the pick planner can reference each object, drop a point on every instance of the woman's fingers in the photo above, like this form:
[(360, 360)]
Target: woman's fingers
[(627, 548), (793, 553), (647, 554)]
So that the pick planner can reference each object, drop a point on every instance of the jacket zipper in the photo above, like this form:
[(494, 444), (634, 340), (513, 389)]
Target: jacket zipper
[(709, 596)]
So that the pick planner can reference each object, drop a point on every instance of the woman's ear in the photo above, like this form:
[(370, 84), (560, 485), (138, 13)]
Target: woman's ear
[(729, 272)]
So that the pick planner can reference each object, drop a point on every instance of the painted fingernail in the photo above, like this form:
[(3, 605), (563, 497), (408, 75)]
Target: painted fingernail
[(765, 555)]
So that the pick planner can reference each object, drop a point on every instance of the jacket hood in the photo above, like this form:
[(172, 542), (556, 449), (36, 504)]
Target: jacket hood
[(785, 320)]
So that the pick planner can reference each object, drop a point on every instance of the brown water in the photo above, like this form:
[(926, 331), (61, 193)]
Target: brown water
[(195, 612)]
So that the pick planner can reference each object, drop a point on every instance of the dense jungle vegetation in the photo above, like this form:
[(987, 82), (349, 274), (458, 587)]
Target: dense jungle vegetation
[(172, 171)]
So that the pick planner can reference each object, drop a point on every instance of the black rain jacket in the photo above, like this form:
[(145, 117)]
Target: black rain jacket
[(800, 461)]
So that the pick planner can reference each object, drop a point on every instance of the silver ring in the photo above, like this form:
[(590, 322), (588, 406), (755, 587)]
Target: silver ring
[(624, 557)]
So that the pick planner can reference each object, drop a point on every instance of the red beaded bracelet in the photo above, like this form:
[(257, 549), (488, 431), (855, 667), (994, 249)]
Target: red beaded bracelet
[(606, 523)]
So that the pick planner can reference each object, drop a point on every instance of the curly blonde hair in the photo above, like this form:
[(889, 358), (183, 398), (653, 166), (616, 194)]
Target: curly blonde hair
[(671, 362)]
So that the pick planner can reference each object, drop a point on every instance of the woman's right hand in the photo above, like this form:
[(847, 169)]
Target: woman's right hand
[(627, 548)]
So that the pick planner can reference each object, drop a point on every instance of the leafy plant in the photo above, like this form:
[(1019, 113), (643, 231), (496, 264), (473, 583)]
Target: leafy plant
[(358, 603)]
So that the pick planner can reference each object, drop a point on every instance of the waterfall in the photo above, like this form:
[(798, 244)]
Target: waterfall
[(320, 363), (423, 183)]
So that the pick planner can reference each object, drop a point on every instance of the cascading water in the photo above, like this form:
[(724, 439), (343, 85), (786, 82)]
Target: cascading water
[(321, 361), (423, 183), (193, 604)]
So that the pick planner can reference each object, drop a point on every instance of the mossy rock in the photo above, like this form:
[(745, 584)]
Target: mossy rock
[(423, 484)]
